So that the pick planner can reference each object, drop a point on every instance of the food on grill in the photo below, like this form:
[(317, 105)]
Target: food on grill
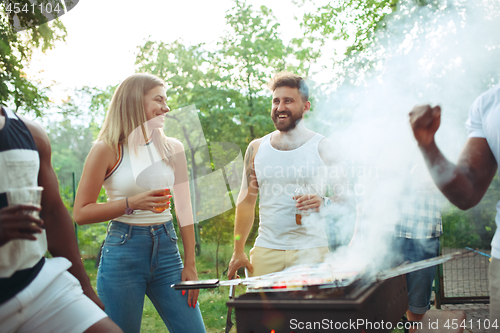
[(302, 277)]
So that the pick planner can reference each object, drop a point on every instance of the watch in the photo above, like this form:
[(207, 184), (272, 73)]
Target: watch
[(128, 211), (326, 201)]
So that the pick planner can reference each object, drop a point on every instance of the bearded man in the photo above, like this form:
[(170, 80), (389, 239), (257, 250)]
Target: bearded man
[(274, 166)]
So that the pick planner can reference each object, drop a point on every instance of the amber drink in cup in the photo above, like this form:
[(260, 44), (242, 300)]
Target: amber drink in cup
[(161, 194)]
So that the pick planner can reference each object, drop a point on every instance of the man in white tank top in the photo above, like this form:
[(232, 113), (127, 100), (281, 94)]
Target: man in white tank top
[(274, 166)]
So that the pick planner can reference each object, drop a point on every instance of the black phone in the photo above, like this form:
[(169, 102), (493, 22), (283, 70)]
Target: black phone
[(203, 284)]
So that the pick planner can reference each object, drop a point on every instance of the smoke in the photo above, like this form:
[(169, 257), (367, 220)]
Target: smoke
[(444, 53)]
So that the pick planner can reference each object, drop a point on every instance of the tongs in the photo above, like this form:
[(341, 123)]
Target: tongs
[(229, 323)]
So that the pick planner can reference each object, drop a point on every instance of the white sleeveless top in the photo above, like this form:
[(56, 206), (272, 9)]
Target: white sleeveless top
[(121, 182), (277, 174)]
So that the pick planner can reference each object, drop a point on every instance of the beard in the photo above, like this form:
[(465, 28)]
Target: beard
[(290, 122)]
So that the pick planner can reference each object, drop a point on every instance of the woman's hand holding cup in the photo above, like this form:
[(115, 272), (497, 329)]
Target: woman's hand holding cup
[(156, 201)]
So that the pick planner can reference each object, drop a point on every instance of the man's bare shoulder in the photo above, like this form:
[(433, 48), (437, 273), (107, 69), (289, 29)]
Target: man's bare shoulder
[(253, 147), (38, 133), (256, 142)]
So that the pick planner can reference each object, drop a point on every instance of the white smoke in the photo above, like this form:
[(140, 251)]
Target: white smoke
[(446, 53)]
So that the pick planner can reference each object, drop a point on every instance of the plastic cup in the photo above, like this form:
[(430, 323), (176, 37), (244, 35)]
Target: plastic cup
[(26, 196), (163, 208), (160, 182)]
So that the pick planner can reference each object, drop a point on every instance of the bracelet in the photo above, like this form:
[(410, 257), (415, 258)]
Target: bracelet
[(128, 211)]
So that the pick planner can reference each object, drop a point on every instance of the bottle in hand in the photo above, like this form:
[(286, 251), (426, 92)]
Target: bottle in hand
[(301, 190)]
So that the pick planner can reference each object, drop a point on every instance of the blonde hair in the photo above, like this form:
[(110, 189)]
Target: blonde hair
[(126, 113)]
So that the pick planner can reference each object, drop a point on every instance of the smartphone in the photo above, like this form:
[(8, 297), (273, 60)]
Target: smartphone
[(203, 284)]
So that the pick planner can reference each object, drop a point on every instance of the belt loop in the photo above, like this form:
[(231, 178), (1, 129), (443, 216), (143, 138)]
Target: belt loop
[(130, 230), (109, 226), (166, 229)]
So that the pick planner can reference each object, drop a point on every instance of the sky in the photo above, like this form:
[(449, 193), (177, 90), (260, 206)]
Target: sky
[(103, 36)]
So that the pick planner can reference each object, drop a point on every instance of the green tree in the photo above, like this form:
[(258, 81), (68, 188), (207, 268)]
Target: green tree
[(193, 79), (71, 139), (353, 21), (16, 50), (251, 51)]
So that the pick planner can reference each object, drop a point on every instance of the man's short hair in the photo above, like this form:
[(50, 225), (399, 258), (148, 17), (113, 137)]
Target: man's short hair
[(292, 80)]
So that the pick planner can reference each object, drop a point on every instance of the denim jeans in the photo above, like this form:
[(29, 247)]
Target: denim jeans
[(144, 260), (419, 283)]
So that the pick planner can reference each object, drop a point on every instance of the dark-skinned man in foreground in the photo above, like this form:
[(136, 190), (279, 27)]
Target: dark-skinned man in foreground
[(465, 183)]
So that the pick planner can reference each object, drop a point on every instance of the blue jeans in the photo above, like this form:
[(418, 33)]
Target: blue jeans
[(419, 283), (144, 260)]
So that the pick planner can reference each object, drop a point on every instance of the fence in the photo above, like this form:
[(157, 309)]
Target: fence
[(464, 280)]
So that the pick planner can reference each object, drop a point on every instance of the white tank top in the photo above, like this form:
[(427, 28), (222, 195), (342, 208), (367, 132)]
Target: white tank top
[(277, 174), (121, 183)]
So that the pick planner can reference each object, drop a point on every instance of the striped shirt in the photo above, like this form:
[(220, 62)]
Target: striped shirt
[(20, 260)]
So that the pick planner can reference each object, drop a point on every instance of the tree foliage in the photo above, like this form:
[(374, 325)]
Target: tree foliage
[(16, 50), (353, 21)]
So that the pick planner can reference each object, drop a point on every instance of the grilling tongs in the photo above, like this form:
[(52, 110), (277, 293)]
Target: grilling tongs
[(229, 323)]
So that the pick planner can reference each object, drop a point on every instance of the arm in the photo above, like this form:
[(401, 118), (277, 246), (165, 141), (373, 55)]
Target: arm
[(184, 214), (245, 211), (463, 184), (100, 160), (61, 237)]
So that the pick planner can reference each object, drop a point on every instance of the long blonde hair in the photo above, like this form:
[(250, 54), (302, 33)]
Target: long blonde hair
[(126, 113)]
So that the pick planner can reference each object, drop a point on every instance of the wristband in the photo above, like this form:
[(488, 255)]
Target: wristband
[(128, 211)]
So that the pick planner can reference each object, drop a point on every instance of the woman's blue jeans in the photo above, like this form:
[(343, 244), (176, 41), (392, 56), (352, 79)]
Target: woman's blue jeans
[(144, 260)]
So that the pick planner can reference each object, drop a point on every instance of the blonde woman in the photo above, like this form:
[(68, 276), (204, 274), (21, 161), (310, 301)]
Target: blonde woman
[(140, 254)]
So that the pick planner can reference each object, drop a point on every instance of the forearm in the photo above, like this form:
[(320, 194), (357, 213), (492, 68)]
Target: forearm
[(454, 182), (62, 241), (184, 212), (188, 242), (244, 218), (100, 212)]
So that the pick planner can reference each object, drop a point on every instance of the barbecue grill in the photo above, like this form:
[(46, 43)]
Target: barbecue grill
[(321, 299), (358, 307)]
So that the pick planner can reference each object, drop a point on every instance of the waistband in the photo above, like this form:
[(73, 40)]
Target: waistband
[(130, 229)]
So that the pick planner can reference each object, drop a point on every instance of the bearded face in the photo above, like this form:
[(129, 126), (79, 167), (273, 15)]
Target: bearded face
[(288, 108), (286, 120)]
